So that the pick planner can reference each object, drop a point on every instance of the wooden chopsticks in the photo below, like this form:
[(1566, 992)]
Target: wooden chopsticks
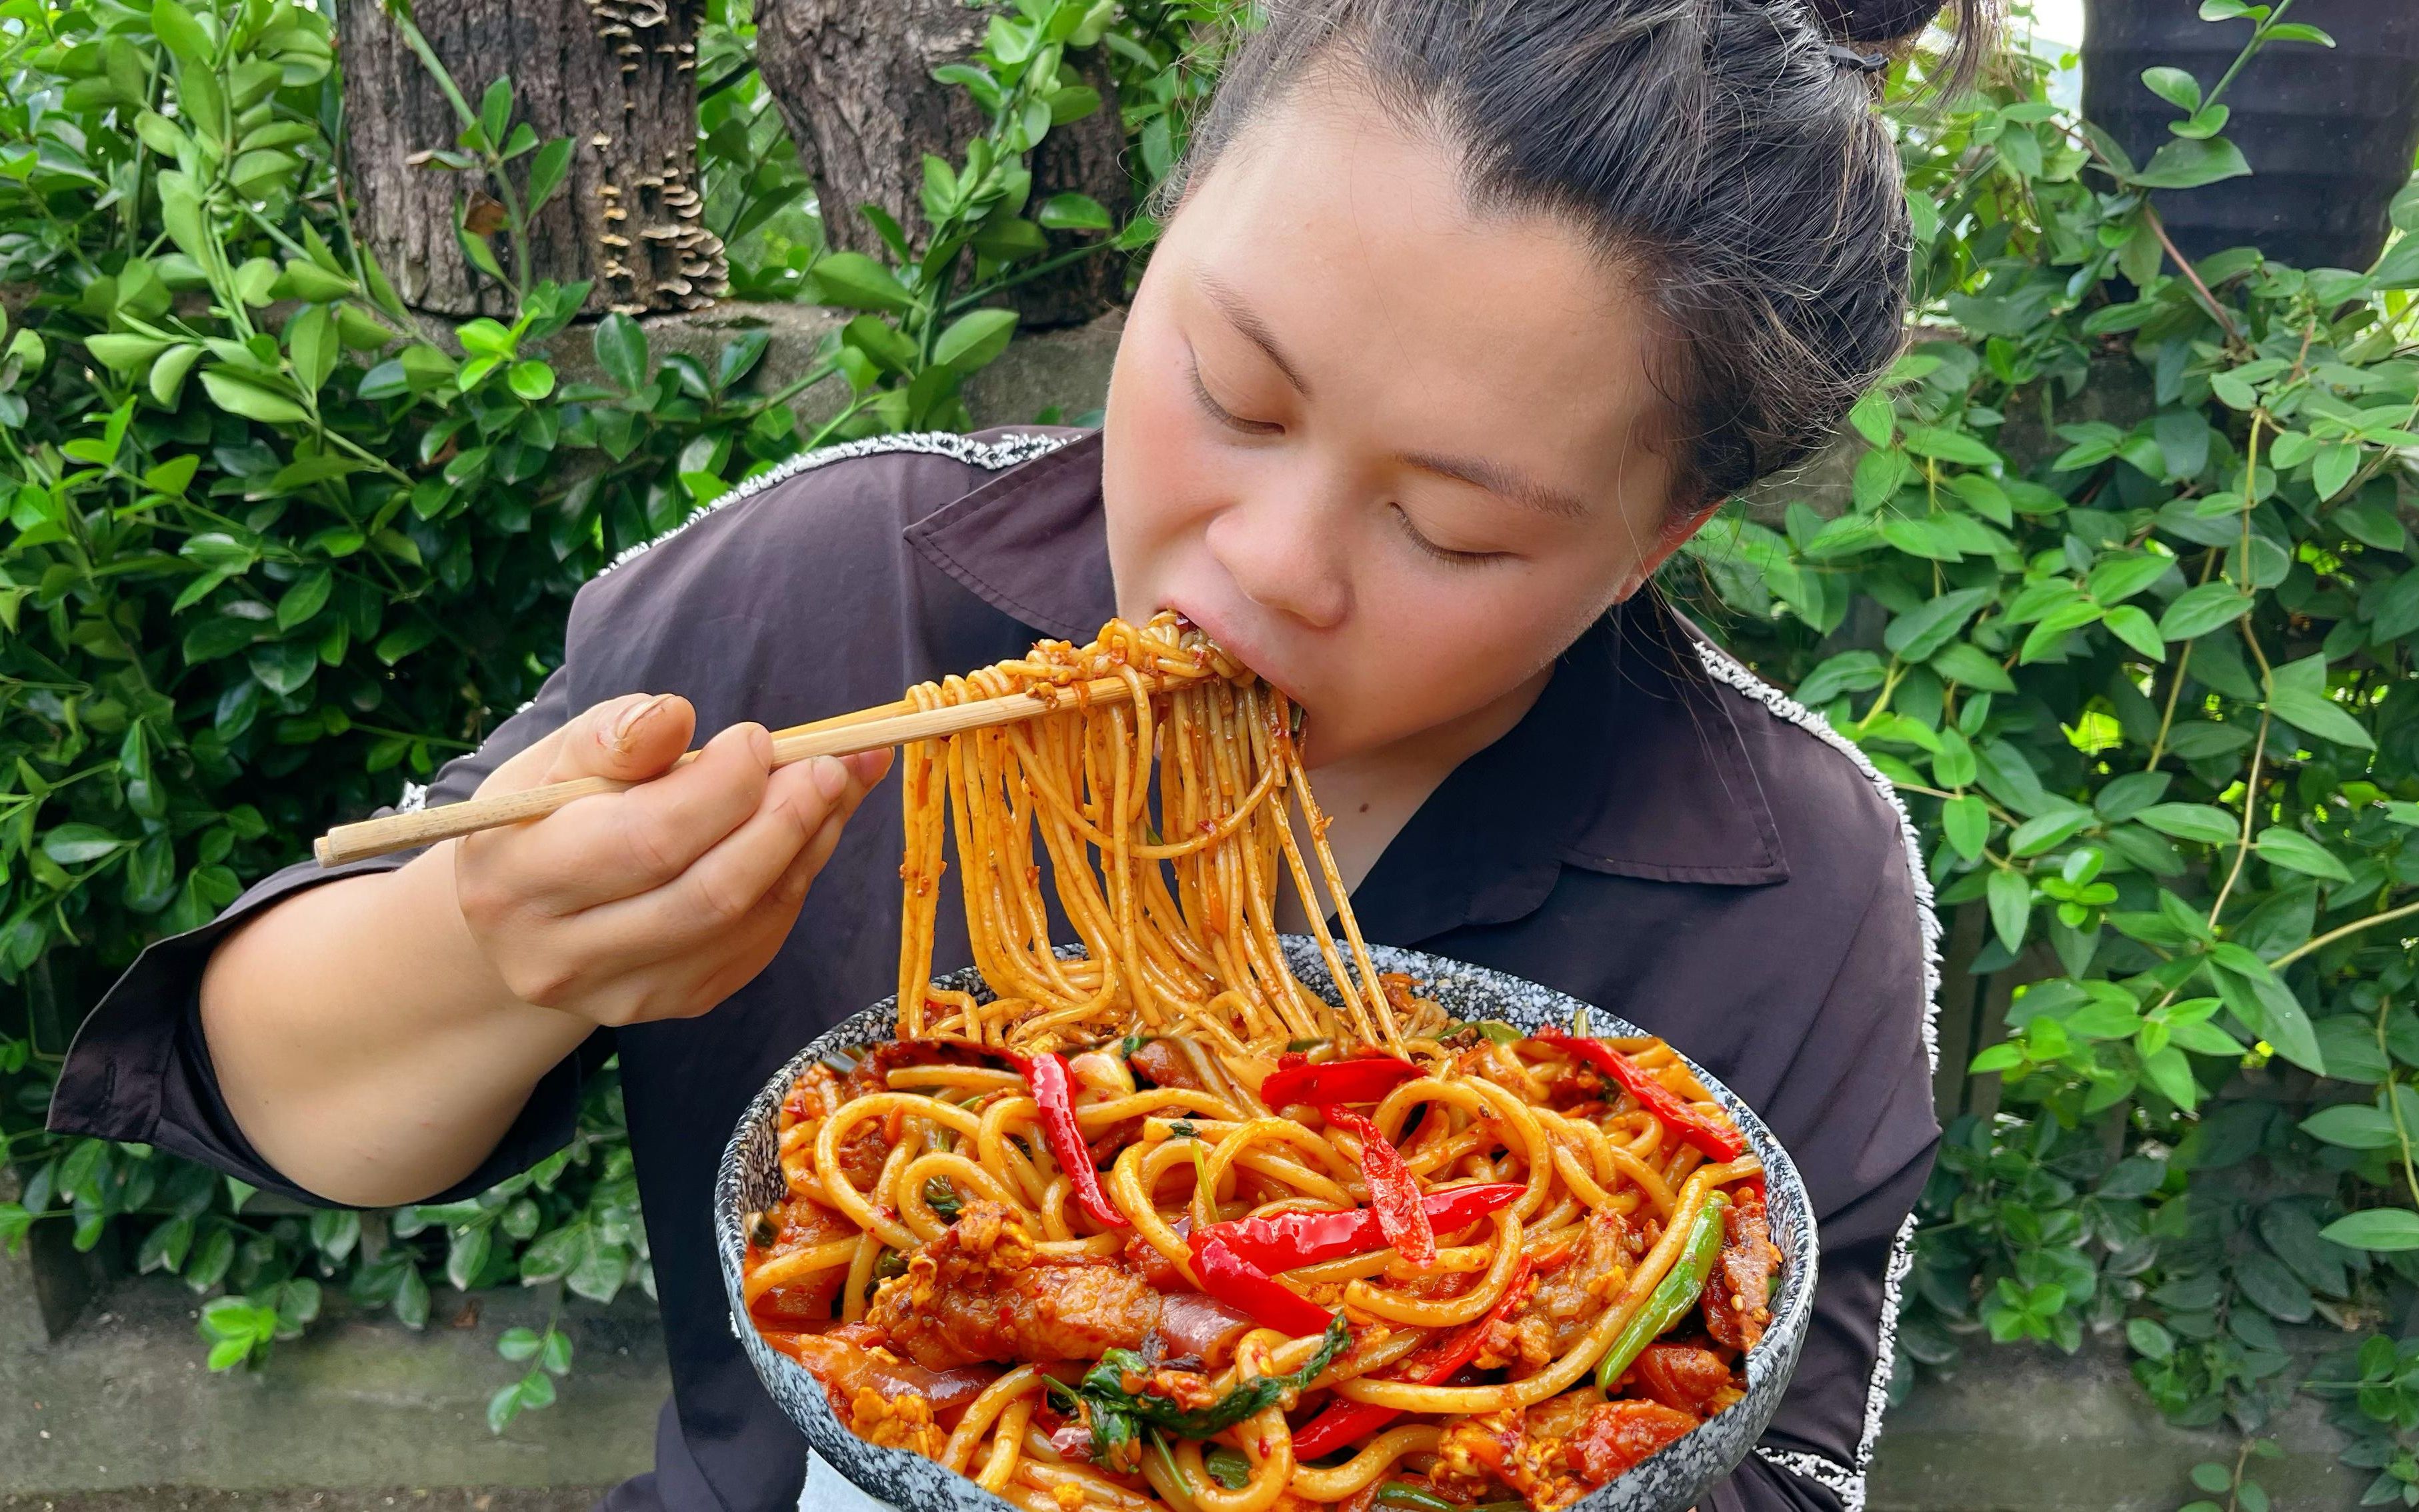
[(888, 724)]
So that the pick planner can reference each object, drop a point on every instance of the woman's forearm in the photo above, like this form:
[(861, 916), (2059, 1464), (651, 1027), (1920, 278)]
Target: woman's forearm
[(365, 1043)]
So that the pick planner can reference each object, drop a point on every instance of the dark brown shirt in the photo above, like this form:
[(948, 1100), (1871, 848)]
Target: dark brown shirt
[(1661, 835)]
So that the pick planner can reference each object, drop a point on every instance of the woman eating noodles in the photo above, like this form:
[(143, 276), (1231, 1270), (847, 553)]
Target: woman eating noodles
[(1463, 319)]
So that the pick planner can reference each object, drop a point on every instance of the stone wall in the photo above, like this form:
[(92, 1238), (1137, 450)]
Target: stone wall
[(116, 1414)]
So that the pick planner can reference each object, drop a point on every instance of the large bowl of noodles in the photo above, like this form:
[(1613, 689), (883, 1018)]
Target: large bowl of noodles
[(1671, 1480)]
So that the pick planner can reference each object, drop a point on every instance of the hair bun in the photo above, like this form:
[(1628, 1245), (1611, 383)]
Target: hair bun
[(1874, 23)]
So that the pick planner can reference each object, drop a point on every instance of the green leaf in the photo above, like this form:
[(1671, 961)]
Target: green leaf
[(248, 400), (2297, 852), (1968, 664), (2375, 1228), (1948, 446), (2126, 796), (2148, 1338), (1966, 821), (2171, 1073), (620, 347), (308, 596), (2175, 86), (1925, 629), (2185, 163), (1873, 417), (973, 339), (2198, 610), (2036, 834), (1849, 672), (547, 172), (2134, 627), (2116, 578), (181, 33), (531, 380), (1998, 1057), (855, 282), (2314, 713), (2263, 1002), (1073, 212), (77, 843), (312, 344), (2337, 462), (167, 383), (2351, 1125), (2010, 898), (496, 110)]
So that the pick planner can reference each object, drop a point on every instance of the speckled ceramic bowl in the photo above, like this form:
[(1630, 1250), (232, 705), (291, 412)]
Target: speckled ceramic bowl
[(1671, 1481)]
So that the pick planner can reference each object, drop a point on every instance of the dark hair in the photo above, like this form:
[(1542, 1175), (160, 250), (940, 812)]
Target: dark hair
[(1726, 154)]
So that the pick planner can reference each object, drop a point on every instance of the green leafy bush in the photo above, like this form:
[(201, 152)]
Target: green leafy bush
[(2121, 596), (270, 552)]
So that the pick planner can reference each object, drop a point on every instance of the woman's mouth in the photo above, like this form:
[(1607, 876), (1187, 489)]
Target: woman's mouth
[(1242, 648)]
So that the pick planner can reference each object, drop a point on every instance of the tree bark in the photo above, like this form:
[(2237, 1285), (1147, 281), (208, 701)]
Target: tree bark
[(616, 76), (854, 81)]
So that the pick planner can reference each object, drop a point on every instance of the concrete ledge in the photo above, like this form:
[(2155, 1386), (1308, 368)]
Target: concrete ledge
[(118, 1415), (121, 1406), (2027, 1429)]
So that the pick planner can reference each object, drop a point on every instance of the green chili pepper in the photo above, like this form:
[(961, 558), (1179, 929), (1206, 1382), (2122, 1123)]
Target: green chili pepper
[(943, 1197), (1673, 1296), (1495, 1029), (888, 1263), (1403, 1493)]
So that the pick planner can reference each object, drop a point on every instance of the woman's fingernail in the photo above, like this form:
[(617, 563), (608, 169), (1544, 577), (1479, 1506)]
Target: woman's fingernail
[(830, 778), (626, 722)]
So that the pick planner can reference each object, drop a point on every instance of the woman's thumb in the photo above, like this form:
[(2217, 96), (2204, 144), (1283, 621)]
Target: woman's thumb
[(627, 738)]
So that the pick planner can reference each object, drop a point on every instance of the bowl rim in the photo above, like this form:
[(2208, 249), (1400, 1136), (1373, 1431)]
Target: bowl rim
[(1774, 1355)]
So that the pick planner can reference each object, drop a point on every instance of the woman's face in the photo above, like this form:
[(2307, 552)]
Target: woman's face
[(1393, 458)]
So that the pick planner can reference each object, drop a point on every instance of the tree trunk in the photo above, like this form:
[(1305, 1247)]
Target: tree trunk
[(616, 76), (854, 80)]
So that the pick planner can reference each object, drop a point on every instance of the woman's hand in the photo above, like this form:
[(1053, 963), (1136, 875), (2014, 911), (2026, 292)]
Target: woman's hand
[(660, 902)]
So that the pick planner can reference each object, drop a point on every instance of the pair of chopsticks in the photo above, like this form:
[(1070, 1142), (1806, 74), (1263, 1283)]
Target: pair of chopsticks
[(888, 724)]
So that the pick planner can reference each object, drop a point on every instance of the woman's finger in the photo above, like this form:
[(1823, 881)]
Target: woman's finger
[(721, 888), (626, 844)]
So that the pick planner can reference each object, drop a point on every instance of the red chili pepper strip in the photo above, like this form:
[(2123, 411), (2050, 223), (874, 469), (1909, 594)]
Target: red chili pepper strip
[(1047, 1076), (1431, 1365), (1235, 1281), (1393, 1194), (1286, 1240), (1363, 1080), (1694, 1128)]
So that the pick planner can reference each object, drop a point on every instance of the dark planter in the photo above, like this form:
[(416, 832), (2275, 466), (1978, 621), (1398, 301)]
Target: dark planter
[(2329, 132)]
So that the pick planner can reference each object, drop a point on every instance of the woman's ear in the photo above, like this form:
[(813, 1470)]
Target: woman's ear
[(1682, 522)]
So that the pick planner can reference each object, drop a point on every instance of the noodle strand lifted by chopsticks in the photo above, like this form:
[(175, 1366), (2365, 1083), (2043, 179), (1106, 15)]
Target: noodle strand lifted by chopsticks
[(1171, 902)]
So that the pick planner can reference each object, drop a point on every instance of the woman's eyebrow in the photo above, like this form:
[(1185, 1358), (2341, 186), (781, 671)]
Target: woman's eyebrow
[(1239, 313), (1499, 480)]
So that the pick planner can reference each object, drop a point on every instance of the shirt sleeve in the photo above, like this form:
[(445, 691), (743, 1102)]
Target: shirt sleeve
[(139, 1069), (1864, 1095)]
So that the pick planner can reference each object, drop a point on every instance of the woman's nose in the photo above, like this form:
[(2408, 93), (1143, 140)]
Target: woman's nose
[(1287, 555)]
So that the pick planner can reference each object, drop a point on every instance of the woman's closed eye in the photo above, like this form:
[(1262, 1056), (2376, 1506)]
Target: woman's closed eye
[(1219, 413), (1449, 555)]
